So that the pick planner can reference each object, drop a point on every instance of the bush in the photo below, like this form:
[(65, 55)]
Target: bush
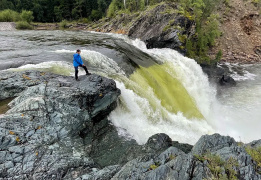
[(96, 15), (64, 24), (219, 168), (84, 20), (27, 16), (255, 153), (9, 16), (22, 25)]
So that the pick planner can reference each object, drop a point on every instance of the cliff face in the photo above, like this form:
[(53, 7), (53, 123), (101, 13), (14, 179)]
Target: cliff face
[(162, 27), (43, 135), (159, 26)]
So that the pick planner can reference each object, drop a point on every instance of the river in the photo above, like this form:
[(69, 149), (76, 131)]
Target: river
[(162, 91)]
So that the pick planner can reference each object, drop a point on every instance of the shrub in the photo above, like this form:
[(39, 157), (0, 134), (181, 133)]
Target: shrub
[(84, 20), (27, 16), (64, 24), (219, 168), (114, 7), (96, 15), (9, 16), (218, 56), (23, 25), (255, 153)]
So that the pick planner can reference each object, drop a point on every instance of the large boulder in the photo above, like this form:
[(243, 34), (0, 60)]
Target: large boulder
[(40, 136), (211, 143)]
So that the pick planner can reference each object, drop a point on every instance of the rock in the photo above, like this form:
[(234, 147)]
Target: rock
[(159, 30), (158, 142), (255, 144), (186, 148), (227, 80), (218, 74), (40, 134), (103, 174), (175, 164), (211, 143)]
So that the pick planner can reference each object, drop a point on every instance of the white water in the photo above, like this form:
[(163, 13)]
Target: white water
[(134, 116)]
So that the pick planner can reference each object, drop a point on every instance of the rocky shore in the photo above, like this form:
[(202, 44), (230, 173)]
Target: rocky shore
[(57, 128)]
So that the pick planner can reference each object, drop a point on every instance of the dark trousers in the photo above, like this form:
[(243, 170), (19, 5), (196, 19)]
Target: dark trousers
[(76, 70)]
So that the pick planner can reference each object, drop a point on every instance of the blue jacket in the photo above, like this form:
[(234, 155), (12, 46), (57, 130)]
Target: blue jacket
[(77, 60)]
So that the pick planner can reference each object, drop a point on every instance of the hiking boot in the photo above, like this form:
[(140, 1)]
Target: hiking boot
[(88, 74), (77, 79)]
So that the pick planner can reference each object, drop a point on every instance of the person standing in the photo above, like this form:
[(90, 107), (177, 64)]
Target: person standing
[(77, 61)]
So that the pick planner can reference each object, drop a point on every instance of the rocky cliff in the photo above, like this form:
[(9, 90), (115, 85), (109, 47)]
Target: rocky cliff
[(153, 26), (162, 26), (57, 128)]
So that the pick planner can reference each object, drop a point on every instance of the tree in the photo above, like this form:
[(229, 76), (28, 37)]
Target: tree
[(27, 16), (5, 4)]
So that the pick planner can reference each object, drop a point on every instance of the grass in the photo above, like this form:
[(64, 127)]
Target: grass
[(219, 168), (255, 153), (63, 24)]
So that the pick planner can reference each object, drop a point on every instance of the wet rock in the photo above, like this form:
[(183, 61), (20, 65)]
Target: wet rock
[(227, 80), (175, 164), (40, 134), (158, 142), (218, 74), (186, 148), (211, 143)]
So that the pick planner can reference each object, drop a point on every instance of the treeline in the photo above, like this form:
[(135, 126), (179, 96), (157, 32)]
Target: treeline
[(58, 10)]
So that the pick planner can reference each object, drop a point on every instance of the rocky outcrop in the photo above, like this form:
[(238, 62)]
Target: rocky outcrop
[(40, 136), (218, 74), (212, 157), (158, 27)]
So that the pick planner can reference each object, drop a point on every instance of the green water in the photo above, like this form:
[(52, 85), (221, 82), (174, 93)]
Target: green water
[(160, 81)]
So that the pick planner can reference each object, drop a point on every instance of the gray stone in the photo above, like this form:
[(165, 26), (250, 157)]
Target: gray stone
[(211, 143), (40, 134)]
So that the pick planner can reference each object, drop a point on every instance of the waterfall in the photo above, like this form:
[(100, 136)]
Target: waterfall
[(172, 97)]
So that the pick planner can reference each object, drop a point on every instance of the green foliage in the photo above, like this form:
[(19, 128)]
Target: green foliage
[(63, 24), (218, 56), (57, 10), (9, 16), (182, 38), (27, 16), (154, 166), (84, 20), (207, 30), (171, 157), (255, 153), (22, 25), (114, 7), (219, 168), (96, 15)]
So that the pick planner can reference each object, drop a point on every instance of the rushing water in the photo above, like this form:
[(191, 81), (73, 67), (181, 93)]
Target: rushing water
[(162, 91)]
